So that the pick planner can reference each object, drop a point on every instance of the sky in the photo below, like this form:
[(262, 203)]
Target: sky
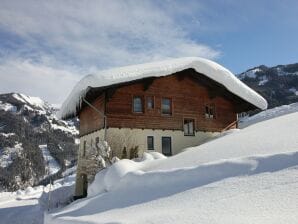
[(46, 47)]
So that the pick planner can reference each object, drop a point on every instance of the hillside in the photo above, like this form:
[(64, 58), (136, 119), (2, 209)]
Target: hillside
[(34, 144), (279, 84), (245, 176)]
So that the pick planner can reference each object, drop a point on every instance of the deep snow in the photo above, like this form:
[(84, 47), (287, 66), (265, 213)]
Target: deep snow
[(268, 114), (246, 176)]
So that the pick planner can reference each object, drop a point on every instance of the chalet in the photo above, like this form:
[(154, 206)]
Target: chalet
[(162, 106)]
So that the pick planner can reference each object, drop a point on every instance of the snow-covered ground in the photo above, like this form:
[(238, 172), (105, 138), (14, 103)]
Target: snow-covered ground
[(246, 176), (52, 166), (28, 206), (268, 114)]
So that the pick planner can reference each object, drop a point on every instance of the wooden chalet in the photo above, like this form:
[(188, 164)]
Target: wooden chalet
[(158, 113)]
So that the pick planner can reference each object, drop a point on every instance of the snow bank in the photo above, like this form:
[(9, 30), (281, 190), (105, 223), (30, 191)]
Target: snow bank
[(268, 137), (158, 69), (141, 190), (109, 178), (59, 197), (268, 114), (247, 176), (148, 156), (29, 205)]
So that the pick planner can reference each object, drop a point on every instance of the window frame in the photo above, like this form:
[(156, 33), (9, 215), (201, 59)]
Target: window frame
[(142, 104), (193, 128), (208, 109), (150, 137), (153, 103), (171, 106)]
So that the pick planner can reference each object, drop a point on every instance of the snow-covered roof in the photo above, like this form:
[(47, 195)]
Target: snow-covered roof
[(109, 77)]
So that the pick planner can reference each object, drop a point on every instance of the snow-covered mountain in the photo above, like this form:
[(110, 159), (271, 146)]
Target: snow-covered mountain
[(34, 144), (279, 84)]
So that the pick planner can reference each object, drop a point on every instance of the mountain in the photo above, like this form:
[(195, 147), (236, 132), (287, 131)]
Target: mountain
[(279, 84), (34, 144)]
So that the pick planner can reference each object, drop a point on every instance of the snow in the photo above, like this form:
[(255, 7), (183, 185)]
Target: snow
[(8, 154), (65, 126), (69, 171), (263, 80), (77, 141), (262, 198), (7, 135), (28, 206), (7, 107), (34, 101), (152, 156), (268, 114), (294, 90), (107, 179), (158, 69), (52, 166), (245, 176), (70, 129), (252, 73)]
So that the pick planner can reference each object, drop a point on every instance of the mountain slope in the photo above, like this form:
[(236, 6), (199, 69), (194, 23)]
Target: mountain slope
[(279, 84), (32, 139)]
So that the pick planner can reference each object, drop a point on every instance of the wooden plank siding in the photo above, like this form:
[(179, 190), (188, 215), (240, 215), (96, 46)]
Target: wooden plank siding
[(189, 98), (89, 119)]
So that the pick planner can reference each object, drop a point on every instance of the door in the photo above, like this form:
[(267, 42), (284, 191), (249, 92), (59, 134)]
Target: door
[(166, 145)]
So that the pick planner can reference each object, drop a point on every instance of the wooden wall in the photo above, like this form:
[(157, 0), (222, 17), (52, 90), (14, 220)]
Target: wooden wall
[(89, 119), (189, 98)]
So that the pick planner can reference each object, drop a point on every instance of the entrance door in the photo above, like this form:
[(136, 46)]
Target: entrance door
[(166, 145)]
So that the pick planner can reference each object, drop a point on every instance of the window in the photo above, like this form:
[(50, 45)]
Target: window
[(166, 146), (84, 149), (150, 143), (150, 102), (210, 111), (166, 106), (137, 104), (189, 127)]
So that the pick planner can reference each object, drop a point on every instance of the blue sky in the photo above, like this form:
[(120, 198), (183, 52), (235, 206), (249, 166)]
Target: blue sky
[(47, 46)]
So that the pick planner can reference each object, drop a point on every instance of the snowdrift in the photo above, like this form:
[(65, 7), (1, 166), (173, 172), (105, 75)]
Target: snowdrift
[(247, 176)]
